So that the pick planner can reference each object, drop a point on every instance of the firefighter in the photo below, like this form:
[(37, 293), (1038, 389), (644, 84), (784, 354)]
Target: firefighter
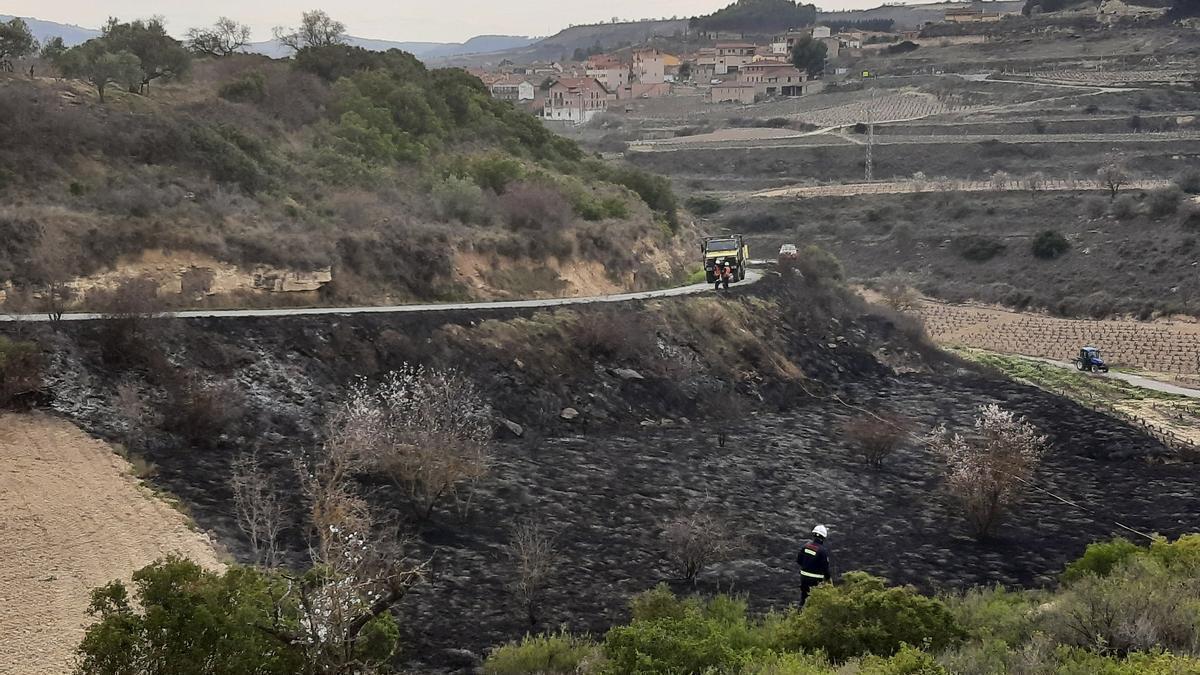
[(814, 562), (719, 273)]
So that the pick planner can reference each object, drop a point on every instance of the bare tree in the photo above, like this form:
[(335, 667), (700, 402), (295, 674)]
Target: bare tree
[(533, 553), (1112, 178), (261, 510), (133, 411), (316, 29), (988, 471), (695, 539), (1036, 182), (223, 38), (360, 570), (52, 267), (897, 293), (1000, 181), (430, 433), (875, 438)]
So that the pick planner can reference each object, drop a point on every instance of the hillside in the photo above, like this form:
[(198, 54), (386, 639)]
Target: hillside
[(562, 45), (44, 30), (397, 181), (425, 51), (913, 16)]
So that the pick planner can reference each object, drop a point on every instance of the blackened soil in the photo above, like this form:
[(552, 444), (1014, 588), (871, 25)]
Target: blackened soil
[(607, 497)]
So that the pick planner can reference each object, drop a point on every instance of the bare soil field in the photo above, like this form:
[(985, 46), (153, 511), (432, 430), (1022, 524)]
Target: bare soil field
[(1159, 346), (74, 519)]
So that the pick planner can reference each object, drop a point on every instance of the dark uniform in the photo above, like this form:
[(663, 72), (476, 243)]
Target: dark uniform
[(814, 566)]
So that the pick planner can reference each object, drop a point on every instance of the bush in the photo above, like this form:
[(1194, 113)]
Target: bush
[(1189, 219), (1049, 244), (1164, 202), (901, 48), (1101, 558), (978, 248), (1188, 180), (704, 205), (875, 439), (606, 334), (531, 205), (459, 199), (697, 637), (202, 412), (20, 370), (1124, 207), (988, 614), (693, 540), (550, 653), (249, 88), (495, 172), (862, 615)]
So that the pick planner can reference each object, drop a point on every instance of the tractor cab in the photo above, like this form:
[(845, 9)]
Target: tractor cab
[(1089, 360)]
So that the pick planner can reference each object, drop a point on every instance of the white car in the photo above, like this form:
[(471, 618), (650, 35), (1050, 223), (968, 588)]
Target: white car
[(788, 251)]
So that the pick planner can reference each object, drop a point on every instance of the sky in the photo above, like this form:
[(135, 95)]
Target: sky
[(400, 20)]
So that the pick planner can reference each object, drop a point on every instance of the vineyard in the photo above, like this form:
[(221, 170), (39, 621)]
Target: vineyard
[(1171, 347), (1006, 184), (1115, 78)]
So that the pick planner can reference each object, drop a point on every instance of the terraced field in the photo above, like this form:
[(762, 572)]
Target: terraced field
[(1171, 347)]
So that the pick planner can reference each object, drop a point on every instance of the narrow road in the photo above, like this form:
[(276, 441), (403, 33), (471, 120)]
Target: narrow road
[(752, 276), (1135, 380), (907, 186)]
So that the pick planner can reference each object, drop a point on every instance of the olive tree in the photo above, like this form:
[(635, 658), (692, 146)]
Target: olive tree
[(316, 29), (988, 470), (223, 38), (16, 41), (92, 62)]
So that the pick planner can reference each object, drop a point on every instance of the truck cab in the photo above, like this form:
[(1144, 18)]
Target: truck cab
[(730, 249)]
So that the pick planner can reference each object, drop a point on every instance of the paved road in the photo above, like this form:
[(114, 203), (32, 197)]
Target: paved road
[(752, 276), (1135, 380)]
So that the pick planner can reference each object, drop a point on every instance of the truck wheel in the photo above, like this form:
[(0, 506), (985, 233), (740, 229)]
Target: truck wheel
[(710, 277)]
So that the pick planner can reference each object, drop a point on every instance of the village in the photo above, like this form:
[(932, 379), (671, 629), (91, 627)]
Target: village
[(716, 68)]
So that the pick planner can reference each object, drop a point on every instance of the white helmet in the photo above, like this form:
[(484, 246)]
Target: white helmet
[(821, 531)]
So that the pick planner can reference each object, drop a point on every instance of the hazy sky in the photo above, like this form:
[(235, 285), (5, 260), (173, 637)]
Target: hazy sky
[(405, 20)]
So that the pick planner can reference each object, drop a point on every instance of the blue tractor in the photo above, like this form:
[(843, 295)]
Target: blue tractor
[(1089, 360)]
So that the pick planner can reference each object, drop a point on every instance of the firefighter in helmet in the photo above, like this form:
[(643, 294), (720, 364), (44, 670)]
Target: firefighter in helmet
[(814, 562)]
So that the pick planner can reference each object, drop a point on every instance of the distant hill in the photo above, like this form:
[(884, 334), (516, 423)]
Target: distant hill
[(44, 30), (916, 16), (563, 44), (421, 50)]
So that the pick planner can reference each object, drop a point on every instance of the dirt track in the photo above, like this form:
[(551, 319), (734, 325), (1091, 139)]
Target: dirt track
[(74, 518)]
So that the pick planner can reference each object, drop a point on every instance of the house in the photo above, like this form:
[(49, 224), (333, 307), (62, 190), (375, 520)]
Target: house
[(611, 72), (650, 66), (731, 56), (820, 32), (733, 92), (576, 100), (774, 79), (833, 45), (513, 88)]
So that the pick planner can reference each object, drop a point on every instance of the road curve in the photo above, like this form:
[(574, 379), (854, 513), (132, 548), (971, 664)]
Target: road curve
[(752, 276)]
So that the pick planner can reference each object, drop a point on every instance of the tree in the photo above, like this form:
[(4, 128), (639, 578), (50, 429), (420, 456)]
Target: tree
[(426, 430), (875, 438), (260, 508), (52, 53), (316, 29), (897, 293), (16, 41), (52, 267), (808, 55), (93, 63), (1049, 244), (159, 55), (988, 471), (223, 38), (1112, 177)]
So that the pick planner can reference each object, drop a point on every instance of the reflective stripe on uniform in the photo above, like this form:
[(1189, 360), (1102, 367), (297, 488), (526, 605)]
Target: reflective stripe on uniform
[(810, 551), (811, 575)]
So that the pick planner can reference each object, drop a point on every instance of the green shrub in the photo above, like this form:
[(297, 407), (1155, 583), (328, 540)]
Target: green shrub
[(658, 603), (1137, 607), (1164, 202), (995, 614), (908, 661), (978, 248), (818, 266), (1180, 557), (496, 172), (704, 205), (689, 636), (550, 654), (459, 199), (862, 615), (1049, 244), (774, 663), (1101, 558), (249, 88)]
